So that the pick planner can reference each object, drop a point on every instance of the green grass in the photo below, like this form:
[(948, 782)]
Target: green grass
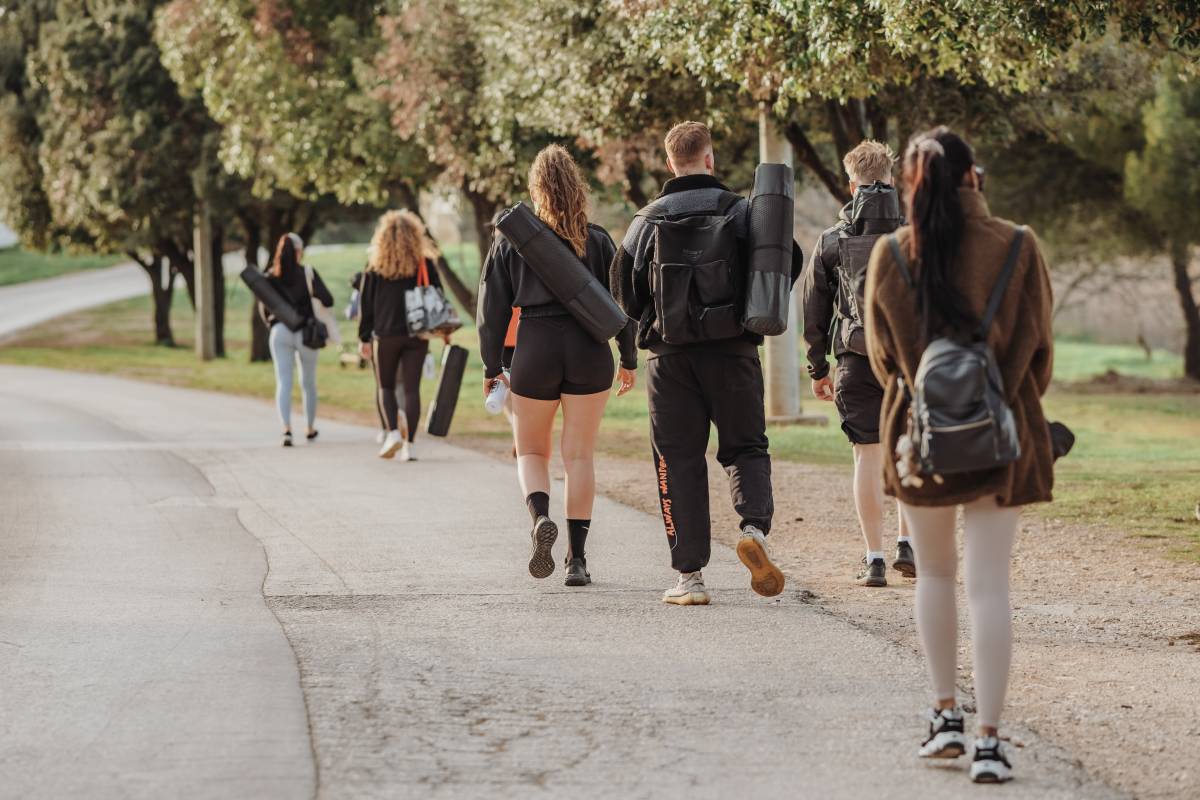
[(19, 266), (1134, 465), (1077, 359)]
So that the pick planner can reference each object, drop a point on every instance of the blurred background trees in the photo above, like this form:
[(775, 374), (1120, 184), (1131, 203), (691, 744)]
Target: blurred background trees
[(117, 118)]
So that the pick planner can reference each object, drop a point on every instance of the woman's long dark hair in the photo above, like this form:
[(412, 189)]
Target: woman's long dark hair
[(285, 257), (934, 165)]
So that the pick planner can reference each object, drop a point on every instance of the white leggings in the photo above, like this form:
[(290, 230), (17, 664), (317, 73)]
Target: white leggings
[(287, 347), (988, 542)]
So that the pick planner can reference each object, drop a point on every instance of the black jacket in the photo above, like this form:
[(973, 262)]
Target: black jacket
[(630, 269), (295, 290), (507, 281), (872, 211), (382, 311)]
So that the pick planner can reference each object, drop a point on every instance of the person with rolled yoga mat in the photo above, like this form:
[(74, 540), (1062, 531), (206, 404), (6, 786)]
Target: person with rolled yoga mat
[(832, 290), (556, 363), (298, 286), (401, 253), (703, 368)]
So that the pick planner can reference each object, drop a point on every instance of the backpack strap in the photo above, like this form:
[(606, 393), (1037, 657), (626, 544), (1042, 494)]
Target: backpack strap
[(901, 261), (997, 295)]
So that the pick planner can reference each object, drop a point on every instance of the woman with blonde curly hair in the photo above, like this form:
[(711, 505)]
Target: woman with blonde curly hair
[(556, 362), (400, 255)]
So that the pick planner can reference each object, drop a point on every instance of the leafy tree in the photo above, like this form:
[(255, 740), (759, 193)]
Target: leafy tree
[(1163, 182)]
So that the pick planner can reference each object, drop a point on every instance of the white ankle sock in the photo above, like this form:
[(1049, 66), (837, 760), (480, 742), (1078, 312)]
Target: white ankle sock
[(903, 540), (873, 555)]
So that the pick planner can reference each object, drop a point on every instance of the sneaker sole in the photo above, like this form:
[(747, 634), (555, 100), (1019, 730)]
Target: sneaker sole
[(577, 581), (952, 750), (906, 568), (391, 451), (692, 599), (872, 583), (992, 774), (765, 577), (541, 562)]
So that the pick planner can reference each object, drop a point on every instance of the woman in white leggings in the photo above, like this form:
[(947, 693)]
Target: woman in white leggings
[(955, 253), (289, 277)]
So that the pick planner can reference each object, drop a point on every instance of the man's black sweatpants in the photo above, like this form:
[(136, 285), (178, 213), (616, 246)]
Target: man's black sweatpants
[(688, 391)]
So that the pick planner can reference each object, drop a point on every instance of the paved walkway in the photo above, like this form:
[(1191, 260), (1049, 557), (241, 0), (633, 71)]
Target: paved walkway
[(189, 610)]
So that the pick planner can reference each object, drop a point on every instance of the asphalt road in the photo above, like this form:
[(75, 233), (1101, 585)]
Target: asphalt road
[(189, 610)]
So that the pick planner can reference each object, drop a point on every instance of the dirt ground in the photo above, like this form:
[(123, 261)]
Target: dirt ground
[(1106, 657)]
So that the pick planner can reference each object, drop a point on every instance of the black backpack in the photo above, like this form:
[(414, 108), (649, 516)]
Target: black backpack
[(854, 252), (959, 420), (696, 274)]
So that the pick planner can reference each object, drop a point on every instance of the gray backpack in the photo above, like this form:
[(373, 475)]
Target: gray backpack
[(959, 420)]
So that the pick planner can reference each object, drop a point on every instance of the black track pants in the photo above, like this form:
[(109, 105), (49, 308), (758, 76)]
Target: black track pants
[(688, 391), (403, 356)]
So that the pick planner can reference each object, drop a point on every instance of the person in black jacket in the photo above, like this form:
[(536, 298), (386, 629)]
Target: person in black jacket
[(834, 321), (401, 258), (291, 279), (555, 362), (693, 386)]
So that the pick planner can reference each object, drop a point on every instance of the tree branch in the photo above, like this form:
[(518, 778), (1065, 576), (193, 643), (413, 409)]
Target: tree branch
[(807, 155)]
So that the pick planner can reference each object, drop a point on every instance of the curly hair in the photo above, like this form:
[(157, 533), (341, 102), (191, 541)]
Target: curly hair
[(399, 245), (560, 195)]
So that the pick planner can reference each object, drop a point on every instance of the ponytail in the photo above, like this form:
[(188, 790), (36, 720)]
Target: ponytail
[(934, 166), (285, 255)]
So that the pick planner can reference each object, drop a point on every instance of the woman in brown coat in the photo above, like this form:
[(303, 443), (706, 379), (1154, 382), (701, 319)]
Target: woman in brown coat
[(955, 252)]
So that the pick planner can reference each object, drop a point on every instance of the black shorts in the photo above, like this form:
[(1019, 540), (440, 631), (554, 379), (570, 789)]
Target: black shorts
[(858, 397), (556, 356)]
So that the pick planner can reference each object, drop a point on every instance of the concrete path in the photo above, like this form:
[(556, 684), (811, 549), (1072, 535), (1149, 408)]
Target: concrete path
[(189, 610)]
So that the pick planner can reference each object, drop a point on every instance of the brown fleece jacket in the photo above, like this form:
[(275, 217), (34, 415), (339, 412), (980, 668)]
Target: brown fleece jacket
[(1020, 336)]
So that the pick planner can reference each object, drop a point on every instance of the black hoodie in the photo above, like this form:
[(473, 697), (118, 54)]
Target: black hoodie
[(873, 209)]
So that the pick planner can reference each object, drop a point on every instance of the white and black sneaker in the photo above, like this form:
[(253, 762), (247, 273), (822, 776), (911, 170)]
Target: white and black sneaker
[(990, 763), (946, 738)]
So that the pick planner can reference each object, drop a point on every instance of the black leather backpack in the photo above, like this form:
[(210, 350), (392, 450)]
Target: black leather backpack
[(959, 420)]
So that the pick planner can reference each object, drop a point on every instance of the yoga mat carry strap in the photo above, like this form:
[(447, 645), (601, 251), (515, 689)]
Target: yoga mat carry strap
[(572, 283), (770, 230)]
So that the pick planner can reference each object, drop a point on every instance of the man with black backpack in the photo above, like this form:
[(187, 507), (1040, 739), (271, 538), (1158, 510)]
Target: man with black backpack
[(680, 273), (833, 287)]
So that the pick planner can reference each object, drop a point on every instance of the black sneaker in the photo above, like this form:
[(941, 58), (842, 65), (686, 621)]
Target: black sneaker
[(577, 574), (905, 564), (946, 738), (287, 439), (541, 560), (990, 764), (873, 574)]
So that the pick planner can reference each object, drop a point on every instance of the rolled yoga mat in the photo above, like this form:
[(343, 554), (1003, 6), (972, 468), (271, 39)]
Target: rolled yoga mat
[(564, 274), (276, 303), (445, 399), (769, 273)]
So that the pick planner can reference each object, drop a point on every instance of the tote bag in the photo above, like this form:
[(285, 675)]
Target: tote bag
[(427, 309)]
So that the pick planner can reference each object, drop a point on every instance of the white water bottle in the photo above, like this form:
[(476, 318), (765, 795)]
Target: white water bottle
[(496, 397), (430, 368)]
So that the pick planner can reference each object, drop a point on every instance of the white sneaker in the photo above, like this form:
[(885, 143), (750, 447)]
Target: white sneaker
[(379, 437), (689, 591), (765, 577), (406, 452), (991, 762), (391, 443), (946, 738)]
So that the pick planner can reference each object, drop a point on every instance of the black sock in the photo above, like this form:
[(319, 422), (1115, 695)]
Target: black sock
[(538, 504), (577, 531)]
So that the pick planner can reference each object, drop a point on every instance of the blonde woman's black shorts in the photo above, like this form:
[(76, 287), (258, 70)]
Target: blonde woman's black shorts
[(556, 356)]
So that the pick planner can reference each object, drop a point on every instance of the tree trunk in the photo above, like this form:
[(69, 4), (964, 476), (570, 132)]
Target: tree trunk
[(878, 118), (259, 348), (217, 247), (635, 175), (807, 155), (483, 208), (1187, 302), (162, 295)]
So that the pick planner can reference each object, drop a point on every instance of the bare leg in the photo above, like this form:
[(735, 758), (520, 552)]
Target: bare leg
[(581, 423), (868, 493), (533, 421)]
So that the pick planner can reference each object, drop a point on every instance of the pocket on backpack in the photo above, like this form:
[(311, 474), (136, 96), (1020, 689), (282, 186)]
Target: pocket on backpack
[(720, 322), (714, 283), (675, 323)]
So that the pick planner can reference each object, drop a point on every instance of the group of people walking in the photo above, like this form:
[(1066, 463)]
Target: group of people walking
[(892, 276), (896, 290)]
